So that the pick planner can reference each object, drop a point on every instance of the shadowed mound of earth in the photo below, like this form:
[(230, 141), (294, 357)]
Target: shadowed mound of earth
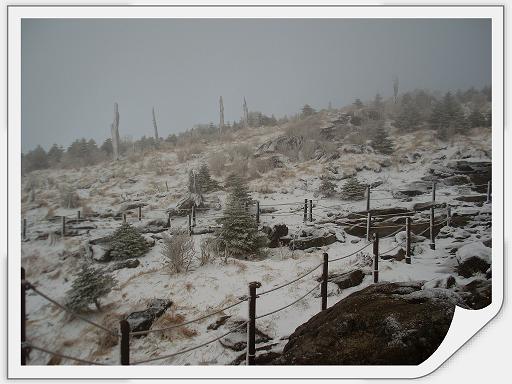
[(384, 324)]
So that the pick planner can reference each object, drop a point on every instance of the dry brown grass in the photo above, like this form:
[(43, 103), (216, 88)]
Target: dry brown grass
[(188, 332), (264, 189), (241, 267), (189, 286)]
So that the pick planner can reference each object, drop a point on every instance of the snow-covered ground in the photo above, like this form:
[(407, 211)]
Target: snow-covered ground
[(51, 265)]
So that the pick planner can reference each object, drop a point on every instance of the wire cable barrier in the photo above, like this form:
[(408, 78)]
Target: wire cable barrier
[(61, 355), (189, 349), (289, 305)]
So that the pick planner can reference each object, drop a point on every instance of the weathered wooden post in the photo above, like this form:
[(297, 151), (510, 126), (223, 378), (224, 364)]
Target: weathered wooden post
[(489, 191), (257, 212), (310, 210), (408, 240), (169, 220), (325, 276), (63, 226), (194, 215), (305, 210), (251, 325), (189, 225), (167, 186), (432, 239), (24, 233), (368, 225), (376, 257), (124, 217), (23, 319), (448, 215), (368, 198), (125, 342), (433, 191), (140, 212), (78, 215)]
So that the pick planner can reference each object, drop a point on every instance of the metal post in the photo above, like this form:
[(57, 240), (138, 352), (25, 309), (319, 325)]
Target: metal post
[(408, 240), (368, 198), (24, 228), (489, 191), (63, 226), (23, 319), (257, 212), (310, 210), (125, 342), (305, 210), (189, 225), (124, 217), (448, 215), (251, 325), (140, 212), (78, 215), (432, 240), (325, 275), (433, 191), (375, 257), (194, 215), (368, 223)]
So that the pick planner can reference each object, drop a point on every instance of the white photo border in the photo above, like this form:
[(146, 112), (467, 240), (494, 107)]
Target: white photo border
[(465, 323)]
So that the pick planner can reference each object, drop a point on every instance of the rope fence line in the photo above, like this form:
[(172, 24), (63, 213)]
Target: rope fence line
[(189, 349), (289, 305), (28, 285), (61, 355), (290, 282), (188, 322)]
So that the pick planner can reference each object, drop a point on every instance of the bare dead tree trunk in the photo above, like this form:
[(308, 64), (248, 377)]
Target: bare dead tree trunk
[(221, 117), (395, 89), (114, 130), (246, 114), (154, 125)]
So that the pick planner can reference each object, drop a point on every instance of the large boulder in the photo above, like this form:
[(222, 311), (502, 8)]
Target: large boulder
[(237, 340), (142, 320), (275, 233), (313, 239), (473, 258), (384, 324)]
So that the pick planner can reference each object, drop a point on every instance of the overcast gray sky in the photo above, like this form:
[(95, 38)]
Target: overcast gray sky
[(74, 70)]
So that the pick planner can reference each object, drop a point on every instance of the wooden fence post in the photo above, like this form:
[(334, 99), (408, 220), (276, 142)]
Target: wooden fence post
[(125, 342), (124, 217), (432, 239), (368, 198), (23, 319), (140, 212), (310, 210), (325, 276), (24, 228), (78, 215), (433, 191), (194, 215), (376, 257), (167, 186), (257, 212), (408, 240), (448, 215), (305, 210), (368, 225), (489, 191), (251, 325), (63, 226), (189, 225), (169, 220)]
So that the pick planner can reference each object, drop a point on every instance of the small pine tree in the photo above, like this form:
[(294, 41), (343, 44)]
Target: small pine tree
[(327, 188), (89, 285), (353, 190), (204, 181), (127, 243), (238, 188), (239, 236), (381, 142)]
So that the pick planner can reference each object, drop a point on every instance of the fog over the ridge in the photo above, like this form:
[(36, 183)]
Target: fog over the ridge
[(74, 70)]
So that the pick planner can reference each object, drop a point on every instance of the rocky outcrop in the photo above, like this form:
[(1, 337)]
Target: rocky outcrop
[(384, 324), (316, 238), (142, 320), (275, 234), (282, 144)]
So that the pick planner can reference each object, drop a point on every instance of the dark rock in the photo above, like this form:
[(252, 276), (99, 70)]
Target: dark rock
[(488, 243), (130, 263), (399, 256), (237, 341), (347, 280), (472, 265), (142, 320), (275, 234), (282, 144), (221, 321), (427, 205), (384, 324), (456, 180), (472, 199), (480, 293), (313, 241), (130, 206)]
